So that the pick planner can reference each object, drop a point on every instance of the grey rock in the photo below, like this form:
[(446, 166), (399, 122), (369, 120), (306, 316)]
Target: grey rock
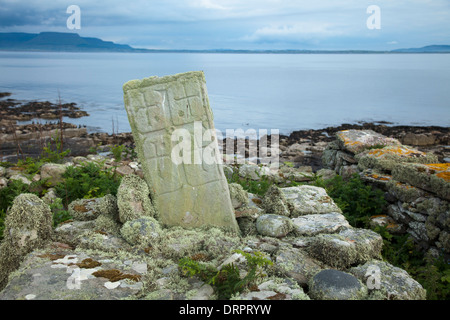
[(333, 284), (273, 225)]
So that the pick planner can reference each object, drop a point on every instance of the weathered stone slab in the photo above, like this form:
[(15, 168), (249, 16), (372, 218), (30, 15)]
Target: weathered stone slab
[(186, 194), (314, 224), (309, 200), (433, 177), (356, 141), (386, 158)]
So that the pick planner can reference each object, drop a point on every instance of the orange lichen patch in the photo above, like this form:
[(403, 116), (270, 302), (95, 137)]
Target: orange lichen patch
[(444, 175), (256, 201), (379, 177), (52, 256), (101, 232), (379, 216), (398, 151), (404, 185), (114, 275), (438, 166), (88, 264)]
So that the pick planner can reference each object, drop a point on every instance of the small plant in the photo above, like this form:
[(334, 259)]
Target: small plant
[(227, 281), (56, 155), (258, 187), (59, 212), (117, 152)]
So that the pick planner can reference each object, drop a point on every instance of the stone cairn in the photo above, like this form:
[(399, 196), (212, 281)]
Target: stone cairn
[(416, 185)]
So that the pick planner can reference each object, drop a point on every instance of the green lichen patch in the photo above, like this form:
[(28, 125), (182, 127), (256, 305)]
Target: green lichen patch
[(133, 199), (239, 197), (275, 202), (404, 191), (333, 250), (143, 232)]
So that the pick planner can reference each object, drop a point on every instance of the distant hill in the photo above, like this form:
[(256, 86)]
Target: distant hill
[(427, 49), (73, 42), (58, 41)]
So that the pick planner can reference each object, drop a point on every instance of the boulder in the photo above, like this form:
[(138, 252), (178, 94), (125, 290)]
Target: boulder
[(390, 282), (275, 202), (333, 284), (273, 225), (142, 231), (133, 199), (314, 224), (239, 197), (307, 199), (356, 141), (53, 172)]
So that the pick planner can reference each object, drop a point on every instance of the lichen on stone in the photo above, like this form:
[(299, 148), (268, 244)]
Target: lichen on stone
[(133, 199)]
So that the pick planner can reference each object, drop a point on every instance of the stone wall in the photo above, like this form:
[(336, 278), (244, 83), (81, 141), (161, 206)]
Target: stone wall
[(417, 186)]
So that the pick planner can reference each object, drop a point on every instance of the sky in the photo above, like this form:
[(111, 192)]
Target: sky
[(241, 24)]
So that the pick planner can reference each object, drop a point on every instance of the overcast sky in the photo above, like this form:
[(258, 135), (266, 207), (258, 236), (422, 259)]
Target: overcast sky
[(240, 24)]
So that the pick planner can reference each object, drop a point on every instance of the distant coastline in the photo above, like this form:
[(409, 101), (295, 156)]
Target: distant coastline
[(73, 42)]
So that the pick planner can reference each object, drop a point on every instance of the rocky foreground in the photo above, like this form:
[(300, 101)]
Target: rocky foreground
[(116, 248)]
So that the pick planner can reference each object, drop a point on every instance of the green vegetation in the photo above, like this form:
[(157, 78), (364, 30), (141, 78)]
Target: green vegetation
[(117, 152), (89, 180), (54, 152), (258, 187), (227, 281)]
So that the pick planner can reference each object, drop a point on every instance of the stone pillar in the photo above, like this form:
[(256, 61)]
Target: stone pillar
[(192, 193)]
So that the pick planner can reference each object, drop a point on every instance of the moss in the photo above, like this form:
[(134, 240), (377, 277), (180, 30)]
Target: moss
[(133, 199), (114, 275), (88, 263)]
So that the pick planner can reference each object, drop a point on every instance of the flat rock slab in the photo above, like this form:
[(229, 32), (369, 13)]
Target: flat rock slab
[(347, 247), (315, 224), (386, 158), (68, 275), (186, 194), (309, 200), (356, 141), (433, 177), (273, 225), (389, 282)]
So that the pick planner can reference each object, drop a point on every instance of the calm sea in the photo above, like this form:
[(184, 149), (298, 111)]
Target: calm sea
[(259, 91)]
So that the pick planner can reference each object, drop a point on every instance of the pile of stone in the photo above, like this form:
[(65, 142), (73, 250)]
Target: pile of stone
[(117, 247), (417, 186)]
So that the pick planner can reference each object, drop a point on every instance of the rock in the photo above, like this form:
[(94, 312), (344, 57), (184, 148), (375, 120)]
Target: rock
[(239, 197), (70, 231), (2, 171), (133, 199), (296, 264), (124, 170), (391, 282), (3, 182), (71, 275), (85, 209), (309, 200), (418, 139), (388, 157), (253, 172), (53, 172), (385, 221), (273, 225), (404, 191), (23, 232), (21, 178), (186, 194), (434, 178), (275, 202), (142, 231), (333, 284), (300, 174), (348, 247), (356, 141), (326, 174), (314, 224)]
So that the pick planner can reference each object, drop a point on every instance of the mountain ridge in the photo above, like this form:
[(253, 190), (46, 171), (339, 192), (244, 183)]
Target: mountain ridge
[(73, 42)]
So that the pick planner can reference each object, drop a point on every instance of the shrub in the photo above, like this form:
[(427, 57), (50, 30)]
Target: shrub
[(87, 181)]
